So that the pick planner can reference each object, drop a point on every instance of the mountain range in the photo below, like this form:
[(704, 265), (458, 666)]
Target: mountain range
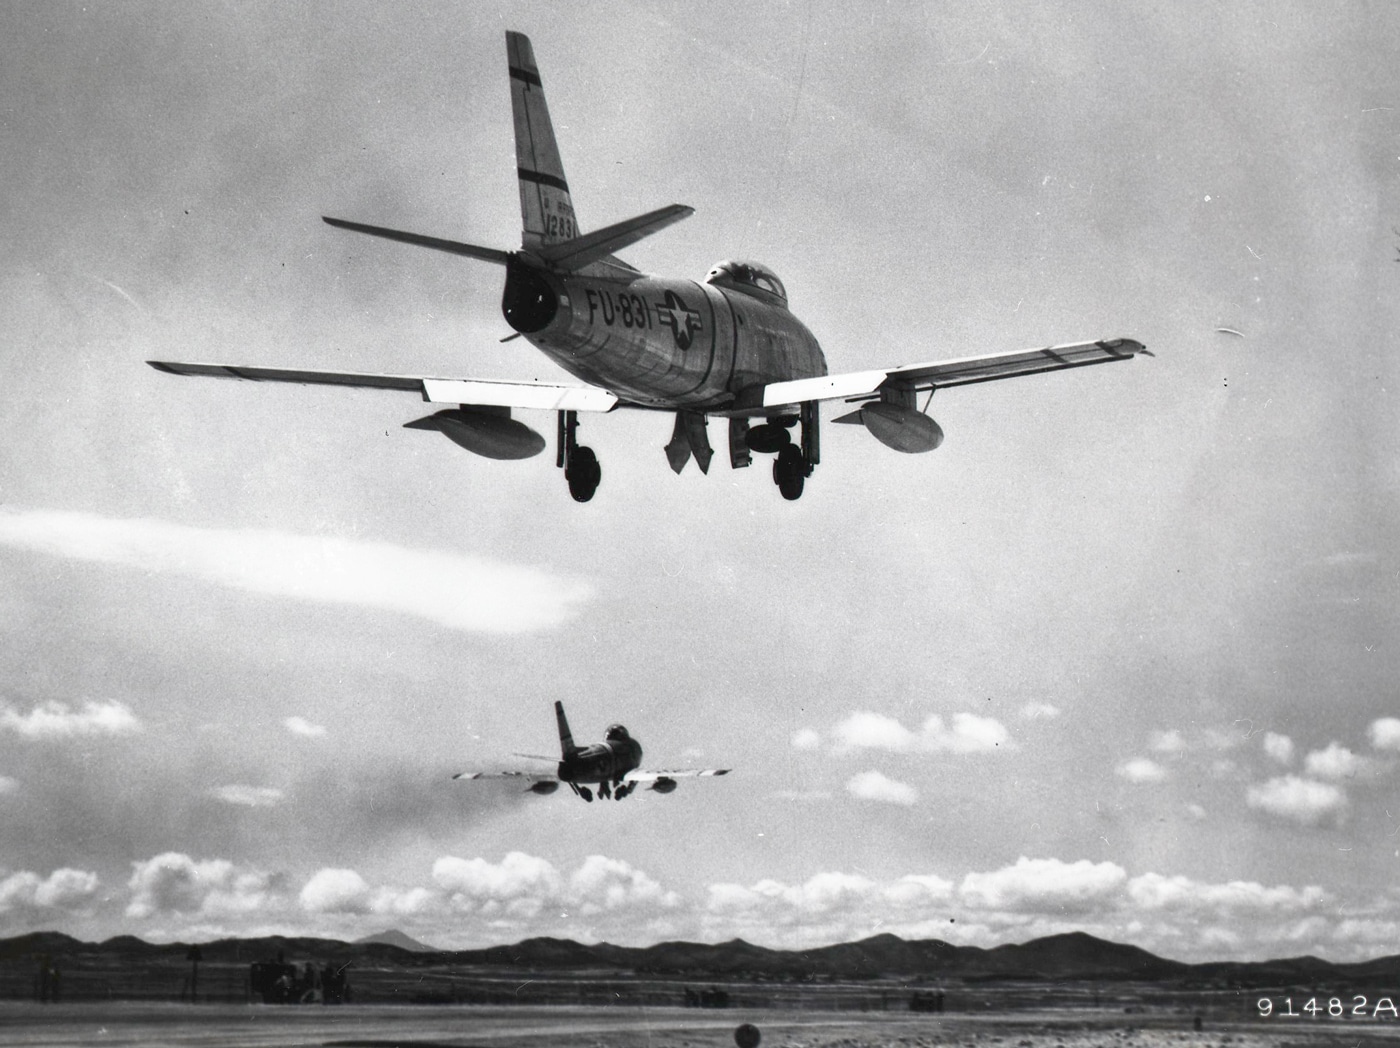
[(1073, 956)]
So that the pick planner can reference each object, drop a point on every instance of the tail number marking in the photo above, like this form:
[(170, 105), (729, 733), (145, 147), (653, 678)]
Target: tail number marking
[(631, 311)]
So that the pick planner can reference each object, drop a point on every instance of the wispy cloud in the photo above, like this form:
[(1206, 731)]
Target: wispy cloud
[(873, 786), (455, 590), (1279, 747), (1141, 770), (967, 733), (249, 796), (1040, 711), (303, 727), (56, 720)]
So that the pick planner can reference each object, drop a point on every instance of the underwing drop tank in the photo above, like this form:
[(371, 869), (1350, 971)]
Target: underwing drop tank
[(897, 426), (486, 431)]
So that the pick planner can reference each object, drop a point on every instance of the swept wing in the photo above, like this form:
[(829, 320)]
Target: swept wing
[(477, 392), (643, 775), (918, 378)]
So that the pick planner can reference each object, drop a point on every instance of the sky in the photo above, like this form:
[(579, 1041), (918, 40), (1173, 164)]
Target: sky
[(1120, 656)]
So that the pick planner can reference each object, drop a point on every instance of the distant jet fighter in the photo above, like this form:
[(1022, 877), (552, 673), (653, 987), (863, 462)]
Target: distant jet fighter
[(612, 765), (728, 346)]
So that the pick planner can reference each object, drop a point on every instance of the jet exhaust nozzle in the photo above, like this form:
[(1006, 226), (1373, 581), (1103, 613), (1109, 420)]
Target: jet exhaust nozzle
[(896, 426), (485, 431)]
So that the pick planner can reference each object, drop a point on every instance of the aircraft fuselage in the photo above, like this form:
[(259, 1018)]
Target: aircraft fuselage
[(603, 762), (662, 342)]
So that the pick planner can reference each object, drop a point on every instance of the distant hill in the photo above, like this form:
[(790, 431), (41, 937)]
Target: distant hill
[(394, 937), (1058, 958)]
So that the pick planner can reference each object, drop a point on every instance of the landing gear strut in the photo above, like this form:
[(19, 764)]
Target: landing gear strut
[(794, 464), (579, 464)]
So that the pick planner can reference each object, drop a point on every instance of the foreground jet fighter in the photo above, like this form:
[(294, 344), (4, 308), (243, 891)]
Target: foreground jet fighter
[(728, 346), (611, 765)]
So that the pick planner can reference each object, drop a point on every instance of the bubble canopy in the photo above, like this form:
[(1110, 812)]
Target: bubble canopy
[(749, 277)]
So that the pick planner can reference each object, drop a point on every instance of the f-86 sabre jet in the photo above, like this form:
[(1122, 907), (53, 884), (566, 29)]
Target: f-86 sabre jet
[(612, 765), (728, 346)]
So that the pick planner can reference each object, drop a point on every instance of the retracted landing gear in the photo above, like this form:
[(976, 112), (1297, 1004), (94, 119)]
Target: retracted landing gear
[(579, 464)]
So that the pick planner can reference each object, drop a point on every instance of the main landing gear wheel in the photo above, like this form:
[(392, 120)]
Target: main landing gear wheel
[(790, 472), (586, 794), (583, 473)]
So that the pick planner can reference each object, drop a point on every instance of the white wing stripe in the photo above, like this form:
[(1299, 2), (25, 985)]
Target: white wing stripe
[(517, 395)]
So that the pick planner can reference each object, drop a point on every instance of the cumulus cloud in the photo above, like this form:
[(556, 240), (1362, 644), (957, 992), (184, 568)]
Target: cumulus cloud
[(303, 727), (335, 891), (610, 884), (1152, 891), (249, 796), (56, 720), (65, 889), (1141, 770), (1279, 747), (872, 786), (1302, 800), (520, 882), (1335, 762), (1044, 885), (1385, 733), (968, 733), (455, 590), (173, 883), (1039, 711)]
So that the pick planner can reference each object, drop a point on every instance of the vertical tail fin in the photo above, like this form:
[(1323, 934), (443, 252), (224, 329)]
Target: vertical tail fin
[(547, 213), (566, 737)]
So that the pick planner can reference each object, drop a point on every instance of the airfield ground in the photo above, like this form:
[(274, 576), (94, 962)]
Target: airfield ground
[(154, 1025)]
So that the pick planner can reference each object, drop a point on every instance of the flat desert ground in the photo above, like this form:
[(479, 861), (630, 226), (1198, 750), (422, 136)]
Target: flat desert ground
[(380, 1026)]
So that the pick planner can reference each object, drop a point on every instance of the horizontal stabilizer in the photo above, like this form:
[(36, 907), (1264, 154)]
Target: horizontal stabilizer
[(579, 252), (452, 247)]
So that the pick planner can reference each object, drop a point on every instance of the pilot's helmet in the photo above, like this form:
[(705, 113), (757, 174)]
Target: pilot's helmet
[(617, 732)]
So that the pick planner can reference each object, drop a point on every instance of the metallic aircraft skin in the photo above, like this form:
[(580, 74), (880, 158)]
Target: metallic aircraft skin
[(670, 343), (727, 346), (612, 766)]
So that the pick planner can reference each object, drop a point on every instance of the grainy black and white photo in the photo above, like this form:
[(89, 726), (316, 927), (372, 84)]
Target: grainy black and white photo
[(606, 518)]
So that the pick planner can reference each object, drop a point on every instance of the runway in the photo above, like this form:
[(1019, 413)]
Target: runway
[(149, 1025)]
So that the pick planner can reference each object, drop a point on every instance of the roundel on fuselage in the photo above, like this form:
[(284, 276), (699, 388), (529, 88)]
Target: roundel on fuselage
[(751, 278)]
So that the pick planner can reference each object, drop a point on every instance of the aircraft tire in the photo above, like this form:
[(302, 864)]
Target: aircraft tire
[(586, 794), (790, 472), (583, 474)]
